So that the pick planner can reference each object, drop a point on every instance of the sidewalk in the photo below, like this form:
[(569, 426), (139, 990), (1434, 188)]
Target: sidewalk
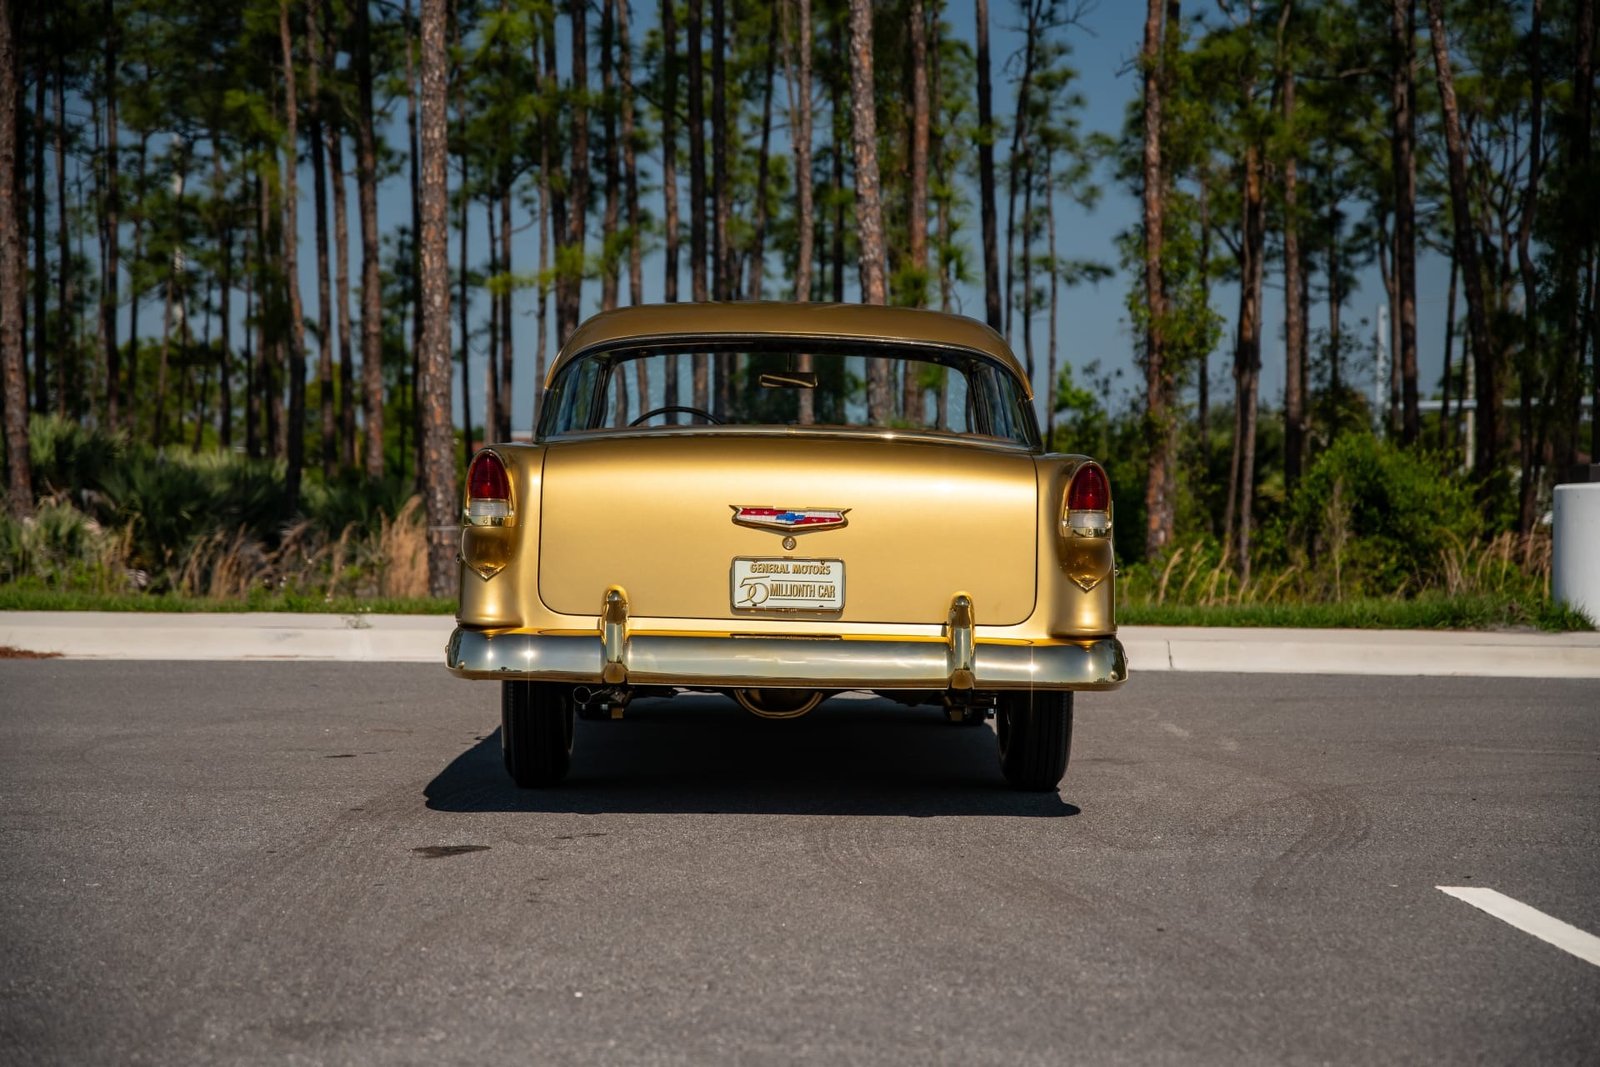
[(421, 639)]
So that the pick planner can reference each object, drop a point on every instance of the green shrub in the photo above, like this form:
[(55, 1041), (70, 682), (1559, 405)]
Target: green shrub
[(72, 458), (63, 548), (1384, 520)]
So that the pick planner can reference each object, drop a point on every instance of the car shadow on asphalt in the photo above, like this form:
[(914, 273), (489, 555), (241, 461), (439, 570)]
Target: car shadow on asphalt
[(705, 755)]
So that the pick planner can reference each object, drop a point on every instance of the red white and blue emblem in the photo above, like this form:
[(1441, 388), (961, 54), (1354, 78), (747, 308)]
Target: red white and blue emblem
[(788, 519)]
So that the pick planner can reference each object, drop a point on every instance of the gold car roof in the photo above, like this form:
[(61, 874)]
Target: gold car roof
[(762, 319)]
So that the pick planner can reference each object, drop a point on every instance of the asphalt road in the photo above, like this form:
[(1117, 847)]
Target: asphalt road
[(323, 863)]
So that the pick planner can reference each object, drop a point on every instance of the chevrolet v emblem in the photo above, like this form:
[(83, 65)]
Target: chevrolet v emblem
[(788, 519)]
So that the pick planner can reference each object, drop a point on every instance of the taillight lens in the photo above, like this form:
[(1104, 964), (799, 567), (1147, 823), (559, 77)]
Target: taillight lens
[(1088, 510), (488, 491)]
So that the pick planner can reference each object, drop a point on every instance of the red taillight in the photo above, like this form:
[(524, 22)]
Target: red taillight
[(1087, 510), (488, 491), (1089, 491), (487, 480)]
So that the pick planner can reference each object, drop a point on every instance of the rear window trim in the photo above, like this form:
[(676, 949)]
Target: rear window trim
[(1030, 427)]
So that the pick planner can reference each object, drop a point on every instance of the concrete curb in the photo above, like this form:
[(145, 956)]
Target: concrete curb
[(421, 639), (1465, 653)]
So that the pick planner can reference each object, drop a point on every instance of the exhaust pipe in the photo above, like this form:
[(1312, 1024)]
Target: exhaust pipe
[(777, 703)]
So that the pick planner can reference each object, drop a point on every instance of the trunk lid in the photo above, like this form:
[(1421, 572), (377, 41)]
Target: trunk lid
[(654, 513)]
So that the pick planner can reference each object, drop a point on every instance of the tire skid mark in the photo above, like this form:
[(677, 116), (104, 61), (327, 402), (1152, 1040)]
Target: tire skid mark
[(1337, 825), (329, 871), (1161, 936), (998, 877)]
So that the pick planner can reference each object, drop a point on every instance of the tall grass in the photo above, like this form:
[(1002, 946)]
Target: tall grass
[(116, 519), (1372, 533)]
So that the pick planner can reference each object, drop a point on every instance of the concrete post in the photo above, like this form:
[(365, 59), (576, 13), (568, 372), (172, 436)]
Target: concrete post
[(1575, 555)]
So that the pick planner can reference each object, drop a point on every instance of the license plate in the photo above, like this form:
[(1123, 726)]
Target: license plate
[(780, 584)]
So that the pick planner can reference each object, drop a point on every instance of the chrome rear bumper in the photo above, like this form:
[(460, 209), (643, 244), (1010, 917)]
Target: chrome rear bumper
[(785, 662)]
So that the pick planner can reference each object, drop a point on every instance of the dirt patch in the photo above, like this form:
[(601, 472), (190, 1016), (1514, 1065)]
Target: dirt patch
[(7, 652)]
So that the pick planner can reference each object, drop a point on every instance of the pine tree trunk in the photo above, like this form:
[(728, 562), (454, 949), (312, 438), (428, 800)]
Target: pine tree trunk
[(1294, 325), (1528, 370), (341, 298), (433, 388), (1446, 438), (492, 402), (173, 311), (1247, 359), (1485, 358), (917, 208), (225, 254), (371, 280), (547, 77), (1021, 165), (291, 271), (1203, 374), (508, 357), (1159, 480), (319, 193), (1403, 28), (630, 170), (841, 131), (721, 202), (41, 275), (131, 417), (463, 305), (202, 393), (1579, 247), (869, 208), (611, 213), (1335, 334), (1587, 321), (758, 236), (13, 358), (1384, 253), (669, 166), (805, 220), (414, 160), (569, 300), (630, 183), (721, 195), (112, 223), (938, 162), (252, 396), (697, 190), (271, 322), (1055, 301), (1030, 230), (991, 256), (798, 58), (68, 391)]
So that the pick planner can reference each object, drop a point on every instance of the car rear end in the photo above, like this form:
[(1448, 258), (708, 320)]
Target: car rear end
[(778, 558)]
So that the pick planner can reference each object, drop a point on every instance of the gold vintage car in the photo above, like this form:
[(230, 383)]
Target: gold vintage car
[(857, 500)]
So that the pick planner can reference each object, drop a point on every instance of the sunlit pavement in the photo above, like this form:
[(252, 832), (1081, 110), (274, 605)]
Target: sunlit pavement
[(323, 862)]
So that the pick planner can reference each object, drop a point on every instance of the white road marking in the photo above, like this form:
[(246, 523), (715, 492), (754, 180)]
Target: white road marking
[(1562, 935), (1175, 730)]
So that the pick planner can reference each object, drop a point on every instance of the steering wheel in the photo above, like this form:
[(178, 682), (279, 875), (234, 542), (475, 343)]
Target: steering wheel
[(653, 412)]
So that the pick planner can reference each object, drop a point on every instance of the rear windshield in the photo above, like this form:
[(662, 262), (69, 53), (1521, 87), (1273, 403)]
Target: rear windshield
[(845, 387)]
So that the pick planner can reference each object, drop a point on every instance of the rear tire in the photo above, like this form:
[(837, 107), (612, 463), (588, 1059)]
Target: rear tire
[(536, 731), (1035, 731)]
